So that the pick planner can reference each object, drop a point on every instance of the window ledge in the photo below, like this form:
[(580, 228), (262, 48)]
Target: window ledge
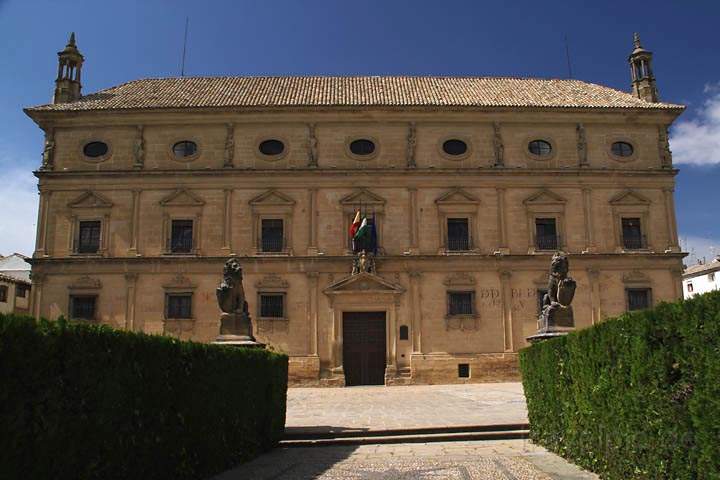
[(99, 253), (277, 319), (180, 319), (462, 315)]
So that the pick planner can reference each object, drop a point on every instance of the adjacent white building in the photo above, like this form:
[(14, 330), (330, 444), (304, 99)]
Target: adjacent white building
[(14, 284), (701, 278)]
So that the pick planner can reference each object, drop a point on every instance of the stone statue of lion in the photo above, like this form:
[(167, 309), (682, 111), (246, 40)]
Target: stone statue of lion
[(230, 293)]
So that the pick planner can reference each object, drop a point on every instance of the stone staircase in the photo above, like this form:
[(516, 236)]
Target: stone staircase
[(316, 437)]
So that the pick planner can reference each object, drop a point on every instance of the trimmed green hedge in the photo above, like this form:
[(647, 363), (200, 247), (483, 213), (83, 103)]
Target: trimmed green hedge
[(81, 401), (634, 397)]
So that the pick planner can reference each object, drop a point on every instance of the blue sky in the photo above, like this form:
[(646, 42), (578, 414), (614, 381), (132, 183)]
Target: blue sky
[(131, 39)]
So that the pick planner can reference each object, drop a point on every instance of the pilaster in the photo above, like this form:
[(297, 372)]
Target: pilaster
[(502, 247), (506, 298)]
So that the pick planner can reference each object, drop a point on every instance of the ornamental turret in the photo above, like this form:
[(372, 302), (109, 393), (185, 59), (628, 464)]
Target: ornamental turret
[(643, 79), (67, 84)]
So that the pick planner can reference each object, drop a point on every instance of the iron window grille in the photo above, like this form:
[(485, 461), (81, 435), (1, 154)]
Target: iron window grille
[(272, 305), (404, 332), (181, 236), (689, 287), (83, 306), (463, 370), (461, 303), (458, 234), (89, 236), (3, 293), (178, 305), (638, 298), (21, 291), (546, 237), (272, 235), (632, 237)]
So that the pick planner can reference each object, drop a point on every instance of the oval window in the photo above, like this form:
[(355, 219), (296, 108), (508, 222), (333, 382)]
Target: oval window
[(95, 149), (541, 148), (362, 147), (184, 149), (455, 147), (271, 147), (622, 149)]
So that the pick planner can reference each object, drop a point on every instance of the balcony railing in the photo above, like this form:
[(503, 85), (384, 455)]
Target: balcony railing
[(634, 242), (547, 242), (272, 243), (458, 244)]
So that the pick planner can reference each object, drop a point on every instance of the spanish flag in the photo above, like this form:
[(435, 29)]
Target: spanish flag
[(355, 225)]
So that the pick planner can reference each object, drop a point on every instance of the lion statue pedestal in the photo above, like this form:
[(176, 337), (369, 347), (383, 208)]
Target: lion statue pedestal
[(556, 318), (235, 322)]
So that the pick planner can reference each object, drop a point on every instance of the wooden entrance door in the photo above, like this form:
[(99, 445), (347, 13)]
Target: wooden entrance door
[(364, 348)]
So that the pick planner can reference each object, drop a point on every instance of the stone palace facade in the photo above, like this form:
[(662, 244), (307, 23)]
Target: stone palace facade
[(148, 187)]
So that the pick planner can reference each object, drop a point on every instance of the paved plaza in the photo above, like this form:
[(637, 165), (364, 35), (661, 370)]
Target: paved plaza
[(383, 408), (485, 460)]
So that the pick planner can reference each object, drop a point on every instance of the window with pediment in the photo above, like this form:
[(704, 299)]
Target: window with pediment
[(545, 212), (457, 212), (371, 206), (631, 217), (89, 220), (182, 221), (272, 214)]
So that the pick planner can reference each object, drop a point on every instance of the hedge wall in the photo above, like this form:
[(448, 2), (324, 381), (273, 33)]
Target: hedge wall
[(634, 397), (89, 402)]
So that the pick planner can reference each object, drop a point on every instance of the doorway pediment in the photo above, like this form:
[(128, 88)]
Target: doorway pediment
[(363, 283)]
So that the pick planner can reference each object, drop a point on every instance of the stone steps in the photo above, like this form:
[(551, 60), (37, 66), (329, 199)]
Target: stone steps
[(311, 437)]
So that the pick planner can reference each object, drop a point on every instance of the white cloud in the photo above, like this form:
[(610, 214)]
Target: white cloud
[(699, 248), (697, 140), (18, 212)]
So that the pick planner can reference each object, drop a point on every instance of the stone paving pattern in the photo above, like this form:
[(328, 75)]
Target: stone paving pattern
[(380, 408), (483, 460)]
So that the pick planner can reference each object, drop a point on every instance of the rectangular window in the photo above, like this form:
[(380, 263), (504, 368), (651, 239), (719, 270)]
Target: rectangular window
[(83, 306), (181, 236), (272, 235), (272, 305), (460, 303), (458, 234), (21, 291), (632, 234), (3, 293), (638, 298), (546, 234), (690, 287), (711, 277), (463, 370), (179, 305), (88, 236), (541, 292)]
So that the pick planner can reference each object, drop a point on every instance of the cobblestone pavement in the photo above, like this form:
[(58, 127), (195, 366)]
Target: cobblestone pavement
[(412, 406), (484, 460)]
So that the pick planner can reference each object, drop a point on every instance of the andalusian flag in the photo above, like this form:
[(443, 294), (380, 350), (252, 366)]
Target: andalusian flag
[(362, 232)]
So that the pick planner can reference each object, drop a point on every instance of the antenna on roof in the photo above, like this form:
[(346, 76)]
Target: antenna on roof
[(567, 55), (182, 67)]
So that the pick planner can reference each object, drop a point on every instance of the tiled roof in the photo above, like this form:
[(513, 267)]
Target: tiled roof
[(229, 92), (700, 268)]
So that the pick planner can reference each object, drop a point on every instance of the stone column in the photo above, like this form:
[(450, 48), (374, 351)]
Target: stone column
[(41, 243), (594, 281), (130, 283), (506, 298), (227, 221), (392, 351), (412, 191), (336, 345), (589, 230), (313, 313), (38, 280), (416, 305), (502, 222), (671, 223), (135, 223), (312, 221)]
